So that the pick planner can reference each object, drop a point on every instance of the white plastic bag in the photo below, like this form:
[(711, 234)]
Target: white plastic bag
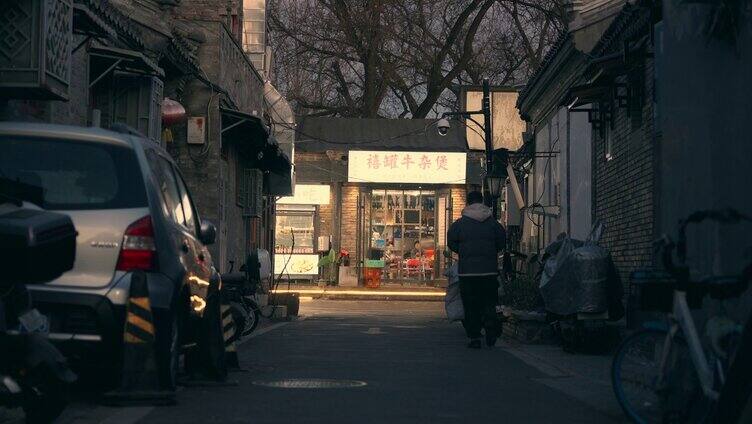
[(453, 300)]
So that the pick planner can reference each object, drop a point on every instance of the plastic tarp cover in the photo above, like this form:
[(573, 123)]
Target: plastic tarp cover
[(582, 280), (453, 300)]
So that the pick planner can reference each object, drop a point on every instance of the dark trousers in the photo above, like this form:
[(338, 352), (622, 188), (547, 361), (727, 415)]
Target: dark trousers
[(479, 297)]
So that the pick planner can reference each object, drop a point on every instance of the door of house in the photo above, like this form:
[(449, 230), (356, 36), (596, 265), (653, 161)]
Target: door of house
[(362, 231), (443, 221)]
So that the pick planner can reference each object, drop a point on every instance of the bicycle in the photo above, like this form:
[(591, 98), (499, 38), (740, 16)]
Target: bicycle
[(662, 373)]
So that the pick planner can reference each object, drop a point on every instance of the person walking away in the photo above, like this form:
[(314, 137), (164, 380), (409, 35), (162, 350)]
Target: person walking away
[(477, 238)]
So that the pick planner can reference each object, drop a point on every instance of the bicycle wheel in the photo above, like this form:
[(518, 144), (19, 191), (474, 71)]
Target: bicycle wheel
[(253, 316), (635, 374)]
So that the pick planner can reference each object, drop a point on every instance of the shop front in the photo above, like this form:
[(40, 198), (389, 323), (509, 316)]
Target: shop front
[(394, 187), (405, 210)]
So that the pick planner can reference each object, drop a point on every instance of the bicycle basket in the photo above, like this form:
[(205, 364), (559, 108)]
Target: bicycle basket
[(654, 289)]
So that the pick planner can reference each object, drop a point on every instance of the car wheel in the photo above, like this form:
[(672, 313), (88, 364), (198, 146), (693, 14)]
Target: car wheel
[(168, 351)]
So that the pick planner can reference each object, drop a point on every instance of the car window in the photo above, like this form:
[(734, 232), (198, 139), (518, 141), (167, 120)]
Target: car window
[(191, 220), (74, 175), (169, 189)]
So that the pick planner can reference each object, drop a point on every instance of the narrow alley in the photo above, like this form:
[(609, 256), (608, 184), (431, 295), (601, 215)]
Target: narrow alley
[(403, 363)]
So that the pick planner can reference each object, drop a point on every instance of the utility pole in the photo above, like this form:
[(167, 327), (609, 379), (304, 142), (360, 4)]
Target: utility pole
[(486, 108), (488, 139)]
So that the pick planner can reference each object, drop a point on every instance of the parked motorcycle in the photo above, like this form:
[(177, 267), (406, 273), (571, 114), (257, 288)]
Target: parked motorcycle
[(238, 289), (36, 246)]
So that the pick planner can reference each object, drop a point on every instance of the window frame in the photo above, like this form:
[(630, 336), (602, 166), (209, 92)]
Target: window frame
[(185, 194), (162, 173)]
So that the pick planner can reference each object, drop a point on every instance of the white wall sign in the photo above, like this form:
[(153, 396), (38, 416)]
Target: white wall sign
[(307, 194), (196, 130), (298, 264), (406, 167)]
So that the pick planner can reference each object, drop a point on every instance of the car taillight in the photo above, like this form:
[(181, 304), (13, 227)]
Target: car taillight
[(138, 251)]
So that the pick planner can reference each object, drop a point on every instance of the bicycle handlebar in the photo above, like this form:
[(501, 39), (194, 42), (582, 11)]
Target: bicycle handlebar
[(724, 216), (667, 246)]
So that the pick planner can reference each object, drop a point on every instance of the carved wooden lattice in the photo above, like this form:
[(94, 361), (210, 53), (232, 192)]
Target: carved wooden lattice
[(58, 39), (35, 48)]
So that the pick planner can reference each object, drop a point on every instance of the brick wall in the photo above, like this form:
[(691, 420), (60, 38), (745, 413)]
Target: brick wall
[(459, 195), (326, 216), (623, 187), (349, 219)]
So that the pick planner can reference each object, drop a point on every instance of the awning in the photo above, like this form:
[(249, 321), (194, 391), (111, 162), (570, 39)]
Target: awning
[(239, 127), (107, 59), (594, 90), (277, 159), (250, 136)]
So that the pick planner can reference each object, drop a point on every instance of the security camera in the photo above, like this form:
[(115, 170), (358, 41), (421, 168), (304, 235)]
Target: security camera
[(443, 126)]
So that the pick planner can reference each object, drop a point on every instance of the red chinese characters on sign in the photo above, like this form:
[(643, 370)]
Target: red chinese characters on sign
[(391, 161), (425, 162), (441, 162), (374, 162), (407, 160), (406, 167)]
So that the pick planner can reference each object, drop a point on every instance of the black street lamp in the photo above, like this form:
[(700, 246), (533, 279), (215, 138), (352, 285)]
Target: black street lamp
[(495, 183), (492, 174)]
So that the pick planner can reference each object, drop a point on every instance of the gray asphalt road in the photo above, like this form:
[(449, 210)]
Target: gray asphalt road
[(414, 364)]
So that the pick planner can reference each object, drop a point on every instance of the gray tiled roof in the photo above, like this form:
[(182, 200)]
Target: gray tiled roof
[(547, 60), (317, 134)]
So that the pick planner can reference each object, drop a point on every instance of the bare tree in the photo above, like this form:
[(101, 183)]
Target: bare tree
[(403, 58)]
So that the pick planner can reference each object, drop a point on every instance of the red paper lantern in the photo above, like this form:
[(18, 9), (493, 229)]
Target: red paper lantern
[(172, 112)]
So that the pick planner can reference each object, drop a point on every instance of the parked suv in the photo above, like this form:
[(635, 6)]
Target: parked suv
[(133, 212)]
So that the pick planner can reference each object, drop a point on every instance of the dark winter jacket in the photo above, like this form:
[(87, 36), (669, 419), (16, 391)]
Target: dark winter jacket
[(477, 238)]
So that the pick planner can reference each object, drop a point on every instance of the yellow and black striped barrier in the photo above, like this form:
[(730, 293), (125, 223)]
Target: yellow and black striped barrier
[(140, 380), (230, 331), (139, 322)]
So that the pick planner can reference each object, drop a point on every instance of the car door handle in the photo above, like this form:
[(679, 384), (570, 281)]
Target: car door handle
[(184, 247)]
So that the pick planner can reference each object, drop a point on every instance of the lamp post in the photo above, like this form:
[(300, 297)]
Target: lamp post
[(489, 198)]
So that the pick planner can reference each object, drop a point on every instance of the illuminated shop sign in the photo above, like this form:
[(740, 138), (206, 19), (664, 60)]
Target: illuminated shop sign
[(307, 194), (406, 167)]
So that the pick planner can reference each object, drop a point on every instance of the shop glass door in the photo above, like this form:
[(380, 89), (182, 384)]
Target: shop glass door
[(403, 234)]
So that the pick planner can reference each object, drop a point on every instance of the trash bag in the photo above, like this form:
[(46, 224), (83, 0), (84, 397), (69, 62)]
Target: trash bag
[(554, 256), (585, 281), (453, 300)]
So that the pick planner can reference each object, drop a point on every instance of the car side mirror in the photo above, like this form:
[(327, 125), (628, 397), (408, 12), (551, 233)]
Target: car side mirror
[(207, 233)]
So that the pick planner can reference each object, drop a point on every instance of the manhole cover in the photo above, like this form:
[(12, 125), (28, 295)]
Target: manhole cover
[(310, 383)]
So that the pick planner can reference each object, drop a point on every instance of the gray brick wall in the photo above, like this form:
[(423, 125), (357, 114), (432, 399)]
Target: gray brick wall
[(623, 187)]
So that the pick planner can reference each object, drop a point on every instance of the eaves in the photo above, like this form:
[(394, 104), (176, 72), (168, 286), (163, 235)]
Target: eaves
[(552, 83)]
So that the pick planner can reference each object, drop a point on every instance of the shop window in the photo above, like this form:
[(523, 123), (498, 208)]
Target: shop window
[(402, 233), (295, 231)]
